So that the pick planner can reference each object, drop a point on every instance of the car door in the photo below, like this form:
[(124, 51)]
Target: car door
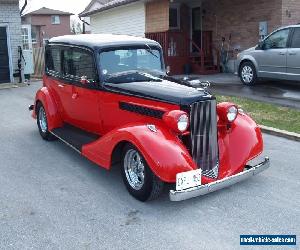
[(81, 105), (55, 78), (293, 56), (272, 59)]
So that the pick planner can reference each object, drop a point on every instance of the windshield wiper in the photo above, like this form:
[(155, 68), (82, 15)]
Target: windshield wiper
[(132, 75), (151, 51)]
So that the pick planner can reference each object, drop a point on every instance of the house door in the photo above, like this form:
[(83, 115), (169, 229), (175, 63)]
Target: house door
[(27, 49), (4, 62), (203, 39), (196, 28)]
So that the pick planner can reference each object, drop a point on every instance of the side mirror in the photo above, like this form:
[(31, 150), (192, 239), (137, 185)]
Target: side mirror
[(260, 46), (168, 70)]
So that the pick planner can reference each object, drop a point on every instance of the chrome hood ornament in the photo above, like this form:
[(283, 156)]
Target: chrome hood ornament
[(197, 83)]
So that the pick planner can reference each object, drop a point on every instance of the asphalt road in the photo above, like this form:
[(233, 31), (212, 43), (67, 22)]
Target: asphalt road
[(52, 198)]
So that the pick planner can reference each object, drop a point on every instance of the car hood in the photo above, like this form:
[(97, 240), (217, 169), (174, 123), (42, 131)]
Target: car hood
[(249, 50), (165, 90)]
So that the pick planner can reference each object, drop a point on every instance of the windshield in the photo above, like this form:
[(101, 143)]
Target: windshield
[(134, 64)]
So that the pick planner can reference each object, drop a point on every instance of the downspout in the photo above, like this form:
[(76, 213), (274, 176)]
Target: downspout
[(23, 8), (84, 23)]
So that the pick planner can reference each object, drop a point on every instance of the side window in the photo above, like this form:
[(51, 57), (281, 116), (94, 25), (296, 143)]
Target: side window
[(53, 60), (277, 40), (78, 63), (296, 39)]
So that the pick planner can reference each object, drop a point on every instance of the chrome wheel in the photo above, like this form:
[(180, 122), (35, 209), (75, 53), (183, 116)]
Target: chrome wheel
[(247, 74), (43, 120), (134, 169)]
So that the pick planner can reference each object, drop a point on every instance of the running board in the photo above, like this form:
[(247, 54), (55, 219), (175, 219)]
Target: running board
[(74, 137)]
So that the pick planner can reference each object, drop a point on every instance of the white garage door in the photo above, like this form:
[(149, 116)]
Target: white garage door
[(124, 20)]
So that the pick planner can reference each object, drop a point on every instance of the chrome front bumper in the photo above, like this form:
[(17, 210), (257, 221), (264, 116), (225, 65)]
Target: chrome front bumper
[(214, 186)]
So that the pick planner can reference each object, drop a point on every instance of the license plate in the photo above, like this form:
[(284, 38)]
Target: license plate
[(188, 179)]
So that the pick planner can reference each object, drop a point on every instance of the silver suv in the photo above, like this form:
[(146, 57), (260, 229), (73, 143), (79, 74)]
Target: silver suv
[(276, 57)]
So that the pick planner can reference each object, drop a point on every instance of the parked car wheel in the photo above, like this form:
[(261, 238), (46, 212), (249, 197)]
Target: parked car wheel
[(248, 74), (42, 123), (139, 180)]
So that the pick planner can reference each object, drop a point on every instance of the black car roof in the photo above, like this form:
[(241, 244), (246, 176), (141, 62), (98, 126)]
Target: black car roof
[(101, 40)]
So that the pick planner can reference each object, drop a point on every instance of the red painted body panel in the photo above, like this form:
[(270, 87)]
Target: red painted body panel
[(98, 111), (238, 145), (113, 117), (166, 154), (46, 98), (163, 151)]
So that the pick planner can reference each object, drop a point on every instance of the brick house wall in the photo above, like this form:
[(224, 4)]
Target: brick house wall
[(10, 16), (290, 12), (224, 17), (240, 19), (157, 16)]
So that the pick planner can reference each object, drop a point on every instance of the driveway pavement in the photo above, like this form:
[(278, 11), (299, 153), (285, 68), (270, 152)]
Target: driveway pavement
[(276, 92), (52, 198)]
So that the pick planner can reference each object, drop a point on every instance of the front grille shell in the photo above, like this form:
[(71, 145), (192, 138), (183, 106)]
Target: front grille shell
[(204, 141)]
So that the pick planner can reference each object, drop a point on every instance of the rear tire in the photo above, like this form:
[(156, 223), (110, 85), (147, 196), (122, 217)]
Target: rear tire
[(42, 123), (138, 178), (248, 73)]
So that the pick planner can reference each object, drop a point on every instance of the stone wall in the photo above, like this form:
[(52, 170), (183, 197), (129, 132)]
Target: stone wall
[(10, 16)]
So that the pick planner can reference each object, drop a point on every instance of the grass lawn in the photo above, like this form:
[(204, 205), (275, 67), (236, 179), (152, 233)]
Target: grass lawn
[(267, 114)]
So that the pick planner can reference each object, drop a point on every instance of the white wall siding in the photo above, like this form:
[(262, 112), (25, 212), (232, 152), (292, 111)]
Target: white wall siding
[(124, 20)]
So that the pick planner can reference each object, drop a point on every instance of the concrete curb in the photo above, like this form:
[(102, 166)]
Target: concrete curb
[(280, 133)]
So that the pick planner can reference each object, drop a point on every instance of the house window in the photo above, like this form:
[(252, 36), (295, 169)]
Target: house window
[(174, 17), (25, 39), (55, 20)]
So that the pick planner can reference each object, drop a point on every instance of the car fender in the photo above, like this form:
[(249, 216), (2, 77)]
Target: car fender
[(248, 58), (238, 144), (167, 156), (44, 96), (162, 150)]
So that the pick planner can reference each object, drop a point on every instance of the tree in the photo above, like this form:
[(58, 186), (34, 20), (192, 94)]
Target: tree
[(79, 28), (73, 28), (76, 27)]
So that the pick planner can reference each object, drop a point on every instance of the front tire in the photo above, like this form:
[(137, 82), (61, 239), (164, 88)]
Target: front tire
[(138, 178), (42, 123), (248, 74)]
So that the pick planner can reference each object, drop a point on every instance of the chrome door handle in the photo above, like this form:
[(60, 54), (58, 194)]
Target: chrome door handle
[(282, 53), (292, 53), (61, 86)]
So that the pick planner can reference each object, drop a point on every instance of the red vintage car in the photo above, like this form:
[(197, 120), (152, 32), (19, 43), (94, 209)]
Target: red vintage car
[(109, 98)]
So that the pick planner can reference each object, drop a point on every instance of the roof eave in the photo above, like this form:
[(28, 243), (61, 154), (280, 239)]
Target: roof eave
[(89, 13)]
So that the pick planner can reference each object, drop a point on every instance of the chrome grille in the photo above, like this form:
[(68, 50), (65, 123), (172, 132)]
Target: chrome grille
[(204, 139)]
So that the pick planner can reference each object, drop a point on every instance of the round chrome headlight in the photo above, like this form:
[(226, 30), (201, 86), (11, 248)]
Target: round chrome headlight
[(232, 113), (183, 123)]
